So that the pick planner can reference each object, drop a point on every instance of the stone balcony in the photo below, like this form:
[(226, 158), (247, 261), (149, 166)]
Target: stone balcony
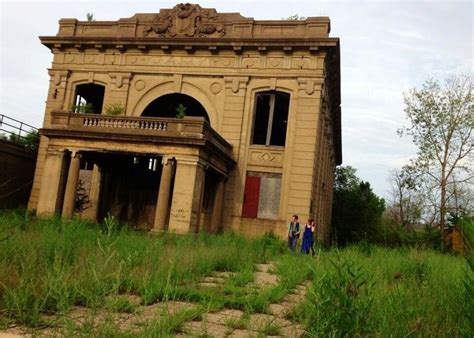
[(192, 131)]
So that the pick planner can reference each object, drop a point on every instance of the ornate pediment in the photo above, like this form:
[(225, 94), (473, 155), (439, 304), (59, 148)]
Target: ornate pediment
[(186, 20)]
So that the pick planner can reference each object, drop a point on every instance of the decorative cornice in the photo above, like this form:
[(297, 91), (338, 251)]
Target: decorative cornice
[(185, 20)]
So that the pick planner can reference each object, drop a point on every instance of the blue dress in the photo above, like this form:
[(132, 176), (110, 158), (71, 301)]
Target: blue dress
[(308, 240)]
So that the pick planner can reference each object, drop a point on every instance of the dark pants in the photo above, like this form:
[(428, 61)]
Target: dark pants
[(310, 248), (292, 240)]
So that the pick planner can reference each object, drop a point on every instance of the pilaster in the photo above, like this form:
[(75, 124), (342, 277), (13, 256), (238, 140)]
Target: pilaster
[(71, 185), (49, 202), (162, 204), (187, 195)]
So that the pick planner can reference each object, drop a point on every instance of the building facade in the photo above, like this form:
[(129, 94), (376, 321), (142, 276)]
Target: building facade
[(189, 119)]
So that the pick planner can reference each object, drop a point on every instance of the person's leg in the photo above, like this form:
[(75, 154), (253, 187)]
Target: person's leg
[(294, 240)]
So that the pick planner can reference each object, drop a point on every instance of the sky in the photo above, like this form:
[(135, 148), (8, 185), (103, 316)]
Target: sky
[(387, 48)]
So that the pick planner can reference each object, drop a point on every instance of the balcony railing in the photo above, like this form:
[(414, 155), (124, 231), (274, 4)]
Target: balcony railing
[(106, 122), (186, 130)]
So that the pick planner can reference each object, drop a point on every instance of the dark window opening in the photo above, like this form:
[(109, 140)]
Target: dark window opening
[(175, 105), (271, 118), (89, 98), (210, 185)]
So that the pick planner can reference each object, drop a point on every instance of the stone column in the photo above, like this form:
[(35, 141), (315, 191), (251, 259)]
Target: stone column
[(162, 204), (50, 188), (186, 203), (94, 193), (71, 185), (217, 208)]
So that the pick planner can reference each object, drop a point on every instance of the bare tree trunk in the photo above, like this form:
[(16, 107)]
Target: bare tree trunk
[(442, 209)]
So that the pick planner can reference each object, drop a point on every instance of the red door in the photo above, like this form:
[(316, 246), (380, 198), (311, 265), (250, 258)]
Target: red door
[(251, 195)]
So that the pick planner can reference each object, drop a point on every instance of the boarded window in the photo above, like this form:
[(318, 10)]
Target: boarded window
[(261, 195), (271, 118)]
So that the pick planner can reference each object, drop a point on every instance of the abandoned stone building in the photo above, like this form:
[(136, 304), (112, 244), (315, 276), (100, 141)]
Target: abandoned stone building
[(191, 120)]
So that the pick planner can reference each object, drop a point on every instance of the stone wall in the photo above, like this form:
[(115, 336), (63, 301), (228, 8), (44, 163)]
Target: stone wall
[(17, 166)]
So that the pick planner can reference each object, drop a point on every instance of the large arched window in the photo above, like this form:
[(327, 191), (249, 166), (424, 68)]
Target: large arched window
[(271, 118), (175, 105), (89, 98)]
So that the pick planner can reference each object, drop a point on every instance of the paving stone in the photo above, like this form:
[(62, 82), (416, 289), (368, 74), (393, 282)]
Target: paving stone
[(209, 285), (162, 308), (259, 320), (193, 327), (14, 332), (203, 328), (294, 298), (265, 278), (294, 331), (265, 267), (223, 316), (240, 333), (223, 274), (278, 310), (217, 280)]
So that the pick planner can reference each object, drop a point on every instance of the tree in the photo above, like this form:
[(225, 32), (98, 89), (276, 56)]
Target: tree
[(460, 201), (406, 205), (441, 126), (357, 211), (90, 17), (30, 141)]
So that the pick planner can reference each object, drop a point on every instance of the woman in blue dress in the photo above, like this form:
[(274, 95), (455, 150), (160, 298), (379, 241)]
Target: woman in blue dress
[(308, 238)]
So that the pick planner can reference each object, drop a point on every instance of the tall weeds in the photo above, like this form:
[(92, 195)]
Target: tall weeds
[(49, 266)]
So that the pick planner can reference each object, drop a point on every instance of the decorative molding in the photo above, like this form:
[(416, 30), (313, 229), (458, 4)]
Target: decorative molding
[(140, 85), (120, 78), (59, 76), (185, 20), (236, 83), (268, 158), (215, 88), (309, 84)]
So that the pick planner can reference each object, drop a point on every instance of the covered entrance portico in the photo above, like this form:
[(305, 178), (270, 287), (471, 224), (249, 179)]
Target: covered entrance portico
[(157, 173)]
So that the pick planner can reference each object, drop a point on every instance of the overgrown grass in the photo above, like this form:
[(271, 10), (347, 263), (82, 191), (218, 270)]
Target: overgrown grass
[(49, 266), (386, 292)]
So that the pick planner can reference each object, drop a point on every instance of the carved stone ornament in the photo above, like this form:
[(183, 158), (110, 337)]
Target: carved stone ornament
[(185, 20)]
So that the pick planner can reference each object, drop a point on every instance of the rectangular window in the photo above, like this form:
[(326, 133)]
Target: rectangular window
[(261, 195), (271, 118)]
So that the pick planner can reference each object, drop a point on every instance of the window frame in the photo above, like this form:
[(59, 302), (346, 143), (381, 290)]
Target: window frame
[(271, 116)]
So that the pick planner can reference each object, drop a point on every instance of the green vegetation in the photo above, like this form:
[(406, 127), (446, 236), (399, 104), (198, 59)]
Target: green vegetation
[(115, 109), (30, 141), (181, 111), (83, 108), (50, 267), (357, 210)]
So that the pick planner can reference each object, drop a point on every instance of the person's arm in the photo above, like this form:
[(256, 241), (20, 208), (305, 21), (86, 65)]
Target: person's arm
[(297, 227)]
